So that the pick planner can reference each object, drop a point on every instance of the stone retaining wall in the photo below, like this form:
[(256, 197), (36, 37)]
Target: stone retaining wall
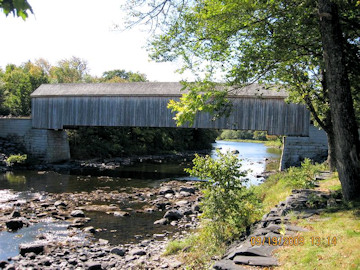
[(296, 149), (48, 145)]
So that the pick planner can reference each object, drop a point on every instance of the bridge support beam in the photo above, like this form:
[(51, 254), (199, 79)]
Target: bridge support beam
[(296, 149), (47, 145)]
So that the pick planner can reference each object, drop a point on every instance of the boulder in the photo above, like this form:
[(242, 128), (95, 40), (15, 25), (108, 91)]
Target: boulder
[(173, 215), (15, 224), (36, 248), (92, 265), (77, 213), (166, 190), (118, 251), (187, 189)]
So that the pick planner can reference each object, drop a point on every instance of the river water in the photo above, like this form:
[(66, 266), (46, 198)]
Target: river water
[(24, 184)]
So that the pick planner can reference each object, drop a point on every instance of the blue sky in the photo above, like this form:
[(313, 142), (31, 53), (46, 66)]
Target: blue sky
[(61, 29)]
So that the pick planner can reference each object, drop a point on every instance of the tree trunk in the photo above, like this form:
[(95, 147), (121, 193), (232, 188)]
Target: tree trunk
[(331, 159), (347, 146)]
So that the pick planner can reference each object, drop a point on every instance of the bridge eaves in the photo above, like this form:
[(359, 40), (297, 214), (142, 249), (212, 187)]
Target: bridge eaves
[(154, 89)]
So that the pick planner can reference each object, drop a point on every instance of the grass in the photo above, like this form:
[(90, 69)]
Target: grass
[(320, 250), (341, 224)]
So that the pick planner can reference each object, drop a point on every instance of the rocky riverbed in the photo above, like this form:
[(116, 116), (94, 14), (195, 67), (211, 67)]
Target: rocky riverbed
[(177, 200)]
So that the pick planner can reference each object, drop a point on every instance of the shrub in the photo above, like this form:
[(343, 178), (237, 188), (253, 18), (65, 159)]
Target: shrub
[(304, 176), (228, 203), (16, 159)]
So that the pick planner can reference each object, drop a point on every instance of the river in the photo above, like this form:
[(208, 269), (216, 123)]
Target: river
[(27, 184)]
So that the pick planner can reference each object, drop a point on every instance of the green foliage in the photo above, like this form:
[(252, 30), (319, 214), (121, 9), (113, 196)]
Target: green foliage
[(302, 177), (18, 8), (120, 74), (16, 159), (278, 186), (73, 70), (125, 141), (241, 42), (243, 135), (16, 85), (202, 96), (18, 82), (229, 205)]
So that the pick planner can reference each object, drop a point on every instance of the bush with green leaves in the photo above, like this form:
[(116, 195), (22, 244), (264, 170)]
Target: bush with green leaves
[(16, 159), (228, 205), (304, 176)]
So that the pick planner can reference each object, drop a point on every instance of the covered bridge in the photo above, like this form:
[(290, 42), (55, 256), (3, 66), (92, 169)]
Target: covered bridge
[(144, 104)]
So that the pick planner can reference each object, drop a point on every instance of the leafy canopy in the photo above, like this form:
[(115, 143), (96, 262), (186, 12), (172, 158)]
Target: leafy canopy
[(19, 8), (244, 41)]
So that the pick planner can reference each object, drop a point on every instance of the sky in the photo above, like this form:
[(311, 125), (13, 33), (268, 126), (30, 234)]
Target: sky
[(60, 29)]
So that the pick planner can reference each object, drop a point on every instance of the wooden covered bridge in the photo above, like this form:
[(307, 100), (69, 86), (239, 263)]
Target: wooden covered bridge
[(59, 106)]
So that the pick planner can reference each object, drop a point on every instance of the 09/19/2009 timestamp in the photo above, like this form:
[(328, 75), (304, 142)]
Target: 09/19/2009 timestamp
[(293, 241)]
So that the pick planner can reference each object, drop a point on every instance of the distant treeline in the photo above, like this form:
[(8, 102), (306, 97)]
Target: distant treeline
[(245, 135)]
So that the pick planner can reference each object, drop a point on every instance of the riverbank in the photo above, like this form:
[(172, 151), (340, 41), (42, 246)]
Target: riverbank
[(81, 249), (110, 199), (307, 212)]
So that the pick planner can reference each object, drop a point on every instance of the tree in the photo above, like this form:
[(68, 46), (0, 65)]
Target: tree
[(73, 70), (345, 129), (120, 75), (18, 8), (17, 83), (272, 42)]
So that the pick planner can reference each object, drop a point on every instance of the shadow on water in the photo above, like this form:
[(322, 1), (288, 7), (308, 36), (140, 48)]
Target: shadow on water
[(139, 176)]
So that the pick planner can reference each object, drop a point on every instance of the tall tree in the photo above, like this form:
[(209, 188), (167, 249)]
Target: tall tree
[(273, 42), (345, 129), (17, 83)]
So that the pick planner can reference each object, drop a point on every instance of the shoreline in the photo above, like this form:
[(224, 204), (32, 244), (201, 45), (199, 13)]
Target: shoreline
[(177, 200)]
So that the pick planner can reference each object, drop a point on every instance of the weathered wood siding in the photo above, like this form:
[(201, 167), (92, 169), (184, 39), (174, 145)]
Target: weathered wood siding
[(271, 114)]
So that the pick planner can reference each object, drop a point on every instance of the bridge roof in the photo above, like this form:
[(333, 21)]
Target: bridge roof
[(161, 89)]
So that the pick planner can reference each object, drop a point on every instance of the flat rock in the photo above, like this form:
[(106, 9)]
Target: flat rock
[(227, 265), (295, 228), (137, 251), (256, 260), (263, 251)]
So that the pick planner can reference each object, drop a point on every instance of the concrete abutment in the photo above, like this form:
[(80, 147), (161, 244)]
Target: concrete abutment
[(47, 145)]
